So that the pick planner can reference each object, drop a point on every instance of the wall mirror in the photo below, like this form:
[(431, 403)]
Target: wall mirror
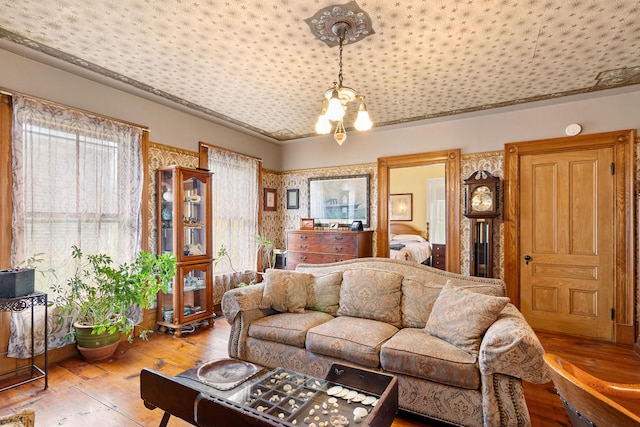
[(451, 161)]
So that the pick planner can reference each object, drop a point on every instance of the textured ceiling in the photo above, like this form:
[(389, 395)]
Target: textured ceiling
[(256, 64)]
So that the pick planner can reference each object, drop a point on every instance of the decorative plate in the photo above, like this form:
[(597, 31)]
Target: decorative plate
[(225, 374)]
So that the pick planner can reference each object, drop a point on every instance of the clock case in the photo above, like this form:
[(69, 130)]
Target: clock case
[(481, 179), (481, 255)]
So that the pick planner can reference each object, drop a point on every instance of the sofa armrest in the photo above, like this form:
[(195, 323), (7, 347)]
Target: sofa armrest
[(241, 299), (510, 347)]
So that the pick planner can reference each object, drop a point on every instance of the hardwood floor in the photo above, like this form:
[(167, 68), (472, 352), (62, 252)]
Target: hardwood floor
[(82, 394)]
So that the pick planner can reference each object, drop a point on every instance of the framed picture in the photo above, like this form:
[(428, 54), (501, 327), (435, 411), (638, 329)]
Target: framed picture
[(401, 207), (293, 199), (270, 199), (307, 224), (334, 226), (341, 199)]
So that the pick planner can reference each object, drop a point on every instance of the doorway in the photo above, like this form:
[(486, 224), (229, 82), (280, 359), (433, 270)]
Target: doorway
[(451, 160), (569, 234)]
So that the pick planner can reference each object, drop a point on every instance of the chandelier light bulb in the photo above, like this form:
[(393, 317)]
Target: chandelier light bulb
[(323, 125), (335, 112), (363, 122)]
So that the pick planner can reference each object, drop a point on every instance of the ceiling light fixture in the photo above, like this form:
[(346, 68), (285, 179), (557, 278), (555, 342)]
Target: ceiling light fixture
[(336, 26), (336, 99)]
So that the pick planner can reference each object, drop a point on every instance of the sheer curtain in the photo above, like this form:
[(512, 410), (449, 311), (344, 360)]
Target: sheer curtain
[(235, 216), (436, 210), (77, 180)]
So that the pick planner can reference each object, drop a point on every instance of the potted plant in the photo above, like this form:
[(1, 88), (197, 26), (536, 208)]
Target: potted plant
[(96, 299), (267, 249)]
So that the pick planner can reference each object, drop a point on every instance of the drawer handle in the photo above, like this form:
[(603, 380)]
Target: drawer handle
[(336, 260), (303, 257), (338, 237), (303, 237), (303, 247), (338, 249)]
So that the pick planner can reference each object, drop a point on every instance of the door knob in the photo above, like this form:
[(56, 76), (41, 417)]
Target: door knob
[(527, 258)]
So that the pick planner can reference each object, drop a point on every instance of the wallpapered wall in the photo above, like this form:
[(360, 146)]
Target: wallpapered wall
[(276, 223)]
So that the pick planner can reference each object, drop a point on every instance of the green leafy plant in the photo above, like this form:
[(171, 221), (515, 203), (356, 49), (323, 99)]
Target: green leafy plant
[(267, 250), (100, 292), (223, 253)]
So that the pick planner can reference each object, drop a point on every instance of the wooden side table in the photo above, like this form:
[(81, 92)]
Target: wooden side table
[(22, 303)]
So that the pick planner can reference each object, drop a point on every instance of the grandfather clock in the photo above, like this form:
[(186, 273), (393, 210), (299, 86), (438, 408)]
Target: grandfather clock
[(481, 206)]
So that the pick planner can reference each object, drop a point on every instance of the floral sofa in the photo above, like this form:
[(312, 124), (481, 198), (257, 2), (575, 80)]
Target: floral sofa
[(459, 349)]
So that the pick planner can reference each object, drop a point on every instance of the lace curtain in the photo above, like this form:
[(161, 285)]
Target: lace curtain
[(436, 210), (235, 208), (77, 180)]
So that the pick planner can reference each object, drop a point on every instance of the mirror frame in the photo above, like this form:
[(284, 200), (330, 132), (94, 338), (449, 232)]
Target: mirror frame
[(451, 160)]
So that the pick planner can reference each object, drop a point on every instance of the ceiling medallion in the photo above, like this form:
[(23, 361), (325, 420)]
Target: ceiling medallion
[(358, 20)]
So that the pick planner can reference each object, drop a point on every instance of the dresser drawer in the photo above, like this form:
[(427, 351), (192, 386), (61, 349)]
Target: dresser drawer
[(326, 246), (330, 248), (294, 258), (438, 249), (328, 237)]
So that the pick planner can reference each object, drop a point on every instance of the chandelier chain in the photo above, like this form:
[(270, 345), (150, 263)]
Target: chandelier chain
[(340, 63)]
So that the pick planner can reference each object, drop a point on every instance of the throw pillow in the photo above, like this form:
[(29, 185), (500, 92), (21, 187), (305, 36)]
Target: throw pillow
[(324, 293), (373, 294), (461, 317), (285, 291), (418, 298)]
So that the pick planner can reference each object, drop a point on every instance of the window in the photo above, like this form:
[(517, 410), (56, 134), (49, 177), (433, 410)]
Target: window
[(77, 181), (235, 208)]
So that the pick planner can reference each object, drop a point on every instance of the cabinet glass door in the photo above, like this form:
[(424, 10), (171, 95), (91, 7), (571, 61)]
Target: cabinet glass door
[(195, 280), (166, 238), (194, 191)]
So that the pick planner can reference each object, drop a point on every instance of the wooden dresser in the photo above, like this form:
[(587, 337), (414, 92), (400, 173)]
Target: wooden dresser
[(439, 256), (324, 246)]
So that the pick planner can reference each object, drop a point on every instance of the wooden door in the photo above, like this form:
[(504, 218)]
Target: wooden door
[(569, 206), (566, 217)]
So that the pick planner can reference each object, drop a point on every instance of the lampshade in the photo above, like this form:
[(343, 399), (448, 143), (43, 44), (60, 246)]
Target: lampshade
[(335, 111), (363, 122), (323, 125)]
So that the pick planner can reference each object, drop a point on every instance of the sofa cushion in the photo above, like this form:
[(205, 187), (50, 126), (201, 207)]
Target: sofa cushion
[(285, 290), (324, 292), (461, 317), (418, 297), (414, 353), (351, 339), (371, 294), (287, 328)]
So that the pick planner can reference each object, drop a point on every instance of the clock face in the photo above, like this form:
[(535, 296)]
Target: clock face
[(481, 199)]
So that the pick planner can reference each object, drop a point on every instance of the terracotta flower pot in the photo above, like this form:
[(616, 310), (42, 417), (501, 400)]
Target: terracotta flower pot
[(95, 347)]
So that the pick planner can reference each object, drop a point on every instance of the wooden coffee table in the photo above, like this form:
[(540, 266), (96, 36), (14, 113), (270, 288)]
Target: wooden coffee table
[(275, 397)]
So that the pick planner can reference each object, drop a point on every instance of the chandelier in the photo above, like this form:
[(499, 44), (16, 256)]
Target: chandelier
[(331, 25)]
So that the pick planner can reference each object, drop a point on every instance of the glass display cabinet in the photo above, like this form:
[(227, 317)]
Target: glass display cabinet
[(184, 230)]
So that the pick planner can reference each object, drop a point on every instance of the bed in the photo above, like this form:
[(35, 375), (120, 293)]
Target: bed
[(408, 243)]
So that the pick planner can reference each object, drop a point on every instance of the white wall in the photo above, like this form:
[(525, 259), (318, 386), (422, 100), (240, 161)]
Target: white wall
[(166, 125), (489, 130)]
